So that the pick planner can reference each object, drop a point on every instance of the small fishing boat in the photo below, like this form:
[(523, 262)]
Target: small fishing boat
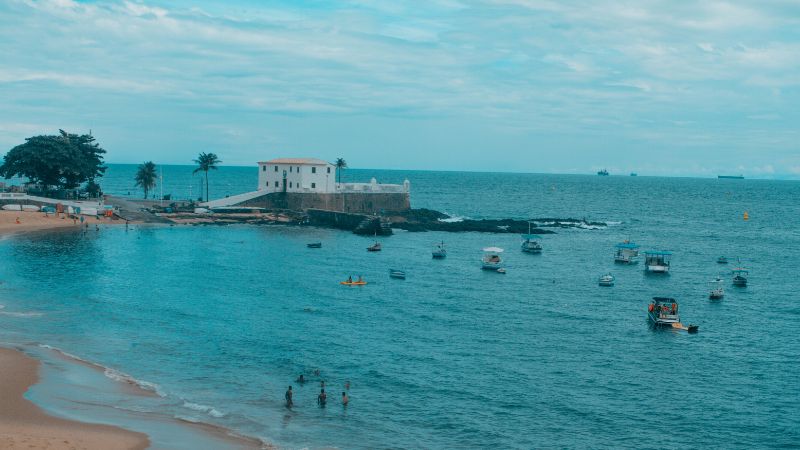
[(314, 245), (606, 280), (376, 247), (501, 270), (627, 253), (717, 292), (439, 252), (491, 259), (657, 261), (529, 243), (602, 173), (399, 274), (740, 276), (663, 312), (722, 260)]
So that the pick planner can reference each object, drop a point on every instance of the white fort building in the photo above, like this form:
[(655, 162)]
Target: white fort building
[(314, 176)]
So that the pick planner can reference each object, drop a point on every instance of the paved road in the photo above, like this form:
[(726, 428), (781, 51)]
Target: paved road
[(133, 211)]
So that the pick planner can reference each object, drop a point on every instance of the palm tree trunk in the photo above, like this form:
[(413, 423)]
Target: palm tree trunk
[(207, 185)]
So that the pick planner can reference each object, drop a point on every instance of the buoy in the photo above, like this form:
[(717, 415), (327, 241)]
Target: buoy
[(746, 216)]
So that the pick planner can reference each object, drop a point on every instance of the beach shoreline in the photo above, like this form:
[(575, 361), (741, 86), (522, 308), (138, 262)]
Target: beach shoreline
[(30, 221), (25, 425)]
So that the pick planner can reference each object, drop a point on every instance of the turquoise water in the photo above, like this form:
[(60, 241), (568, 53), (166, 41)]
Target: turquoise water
[(222, 319)]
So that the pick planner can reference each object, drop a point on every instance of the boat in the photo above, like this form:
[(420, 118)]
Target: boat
[(722, 260), (399, 274), (717, 292), (491, 259), (657, 261), (314, 245), (501, 270), (740, 276), (12, 207), (32, 208), (439, 252), (602, 173), (627, 253), (663, 312), (376, 247), (606, 280), (634, 174), (529, 243), (731, 177), (350, 282)]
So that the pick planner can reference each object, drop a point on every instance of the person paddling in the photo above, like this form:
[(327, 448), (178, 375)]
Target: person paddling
[(322, 398), (288, 396)]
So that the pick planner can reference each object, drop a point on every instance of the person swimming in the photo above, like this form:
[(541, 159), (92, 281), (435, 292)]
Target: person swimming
[(347, 385), (322, 398), (301, 379), (345, 399)]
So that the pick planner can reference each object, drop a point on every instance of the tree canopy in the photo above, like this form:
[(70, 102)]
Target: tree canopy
[(205, 162), (146, 176), (65, 160)]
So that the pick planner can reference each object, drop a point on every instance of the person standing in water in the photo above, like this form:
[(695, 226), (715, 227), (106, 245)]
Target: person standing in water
[(289, 402), (345, 399), (322, 398), (301, 379)]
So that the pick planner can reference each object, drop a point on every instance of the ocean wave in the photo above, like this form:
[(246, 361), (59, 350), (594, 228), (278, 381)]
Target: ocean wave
[(203, 408), (20, 314), (453, 218), (612, 223), (113, 374)]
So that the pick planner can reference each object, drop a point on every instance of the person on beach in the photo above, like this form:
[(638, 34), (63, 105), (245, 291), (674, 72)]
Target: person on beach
[(322, 398), (288, 396), (345, 399), (301, 379)]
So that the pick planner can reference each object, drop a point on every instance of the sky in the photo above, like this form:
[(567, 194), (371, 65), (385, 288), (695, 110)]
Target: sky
[(677, 88)]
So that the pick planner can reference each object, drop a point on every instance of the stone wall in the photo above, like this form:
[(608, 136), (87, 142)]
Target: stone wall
[(359, 203)]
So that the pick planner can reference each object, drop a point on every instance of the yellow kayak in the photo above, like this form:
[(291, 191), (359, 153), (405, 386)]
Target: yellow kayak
[(353, 283)]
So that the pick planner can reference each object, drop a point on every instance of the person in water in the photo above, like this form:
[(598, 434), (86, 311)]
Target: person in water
[(347, 385), (301, 379), (322, 398), (288, 396), (350, 279), (322, 384), (359, 279), (345, 399)]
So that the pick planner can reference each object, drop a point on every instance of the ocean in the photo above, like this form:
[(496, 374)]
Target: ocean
[(219, 320)]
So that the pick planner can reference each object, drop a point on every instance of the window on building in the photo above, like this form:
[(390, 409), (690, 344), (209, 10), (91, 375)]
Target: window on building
[(290, 168), (313, 170), (276, 184), (276, 168), (329, 170), (298, 170), (263, 168), (313, 185), (290, 184)]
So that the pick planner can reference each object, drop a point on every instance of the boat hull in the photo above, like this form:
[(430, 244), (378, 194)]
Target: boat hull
[(439, 255), (656, 269), (494, 267)]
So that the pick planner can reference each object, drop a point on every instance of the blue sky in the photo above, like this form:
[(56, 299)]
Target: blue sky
[(656, 87)]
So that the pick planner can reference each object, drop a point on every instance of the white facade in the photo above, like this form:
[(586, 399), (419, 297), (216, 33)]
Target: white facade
[(297, 175)]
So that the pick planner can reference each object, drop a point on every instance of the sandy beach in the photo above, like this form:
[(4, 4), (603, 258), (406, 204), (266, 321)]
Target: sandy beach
[(37, 221), (23, 425)]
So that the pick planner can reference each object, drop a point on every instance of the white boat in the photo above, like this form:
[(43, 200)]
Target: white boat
[(657, 261), (627, 253), (606, 280), (717, 292), (491, 258), (12, 207), (529, 243), (33, 208), (663, 312), (439, 252), (399, 274)]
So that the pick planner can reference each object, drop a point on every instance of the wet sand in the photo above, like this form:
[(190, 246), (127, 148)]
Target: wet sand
[(23, 425)]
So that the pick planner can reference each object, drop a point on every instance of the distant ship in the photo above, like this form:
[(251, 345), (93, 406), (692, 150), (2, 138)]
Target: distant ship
[(634, 174), (731, 177), (603, 173)]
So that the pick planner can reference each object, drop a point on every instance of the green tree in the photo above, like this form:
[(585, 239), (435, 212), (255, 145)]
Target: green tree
[(146, 176), (340, 164), (206, 162), (63, 161)]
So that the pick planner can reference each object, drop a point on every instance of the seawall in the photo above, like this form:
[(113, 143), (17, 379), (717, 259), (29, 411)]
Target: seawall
[(351, 202)]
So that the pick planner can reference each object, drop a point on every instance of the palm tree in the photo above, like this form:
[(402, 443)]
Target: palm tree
[(341, 164), (146, 176), (206, 162)]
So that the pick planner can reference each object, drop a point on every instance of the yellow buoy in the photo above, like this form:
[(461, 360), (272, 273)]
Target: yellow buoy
[(746, 216)]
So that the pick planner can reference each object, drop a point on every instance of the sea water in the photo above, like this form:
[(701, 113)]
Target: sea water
[(219, 320)]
